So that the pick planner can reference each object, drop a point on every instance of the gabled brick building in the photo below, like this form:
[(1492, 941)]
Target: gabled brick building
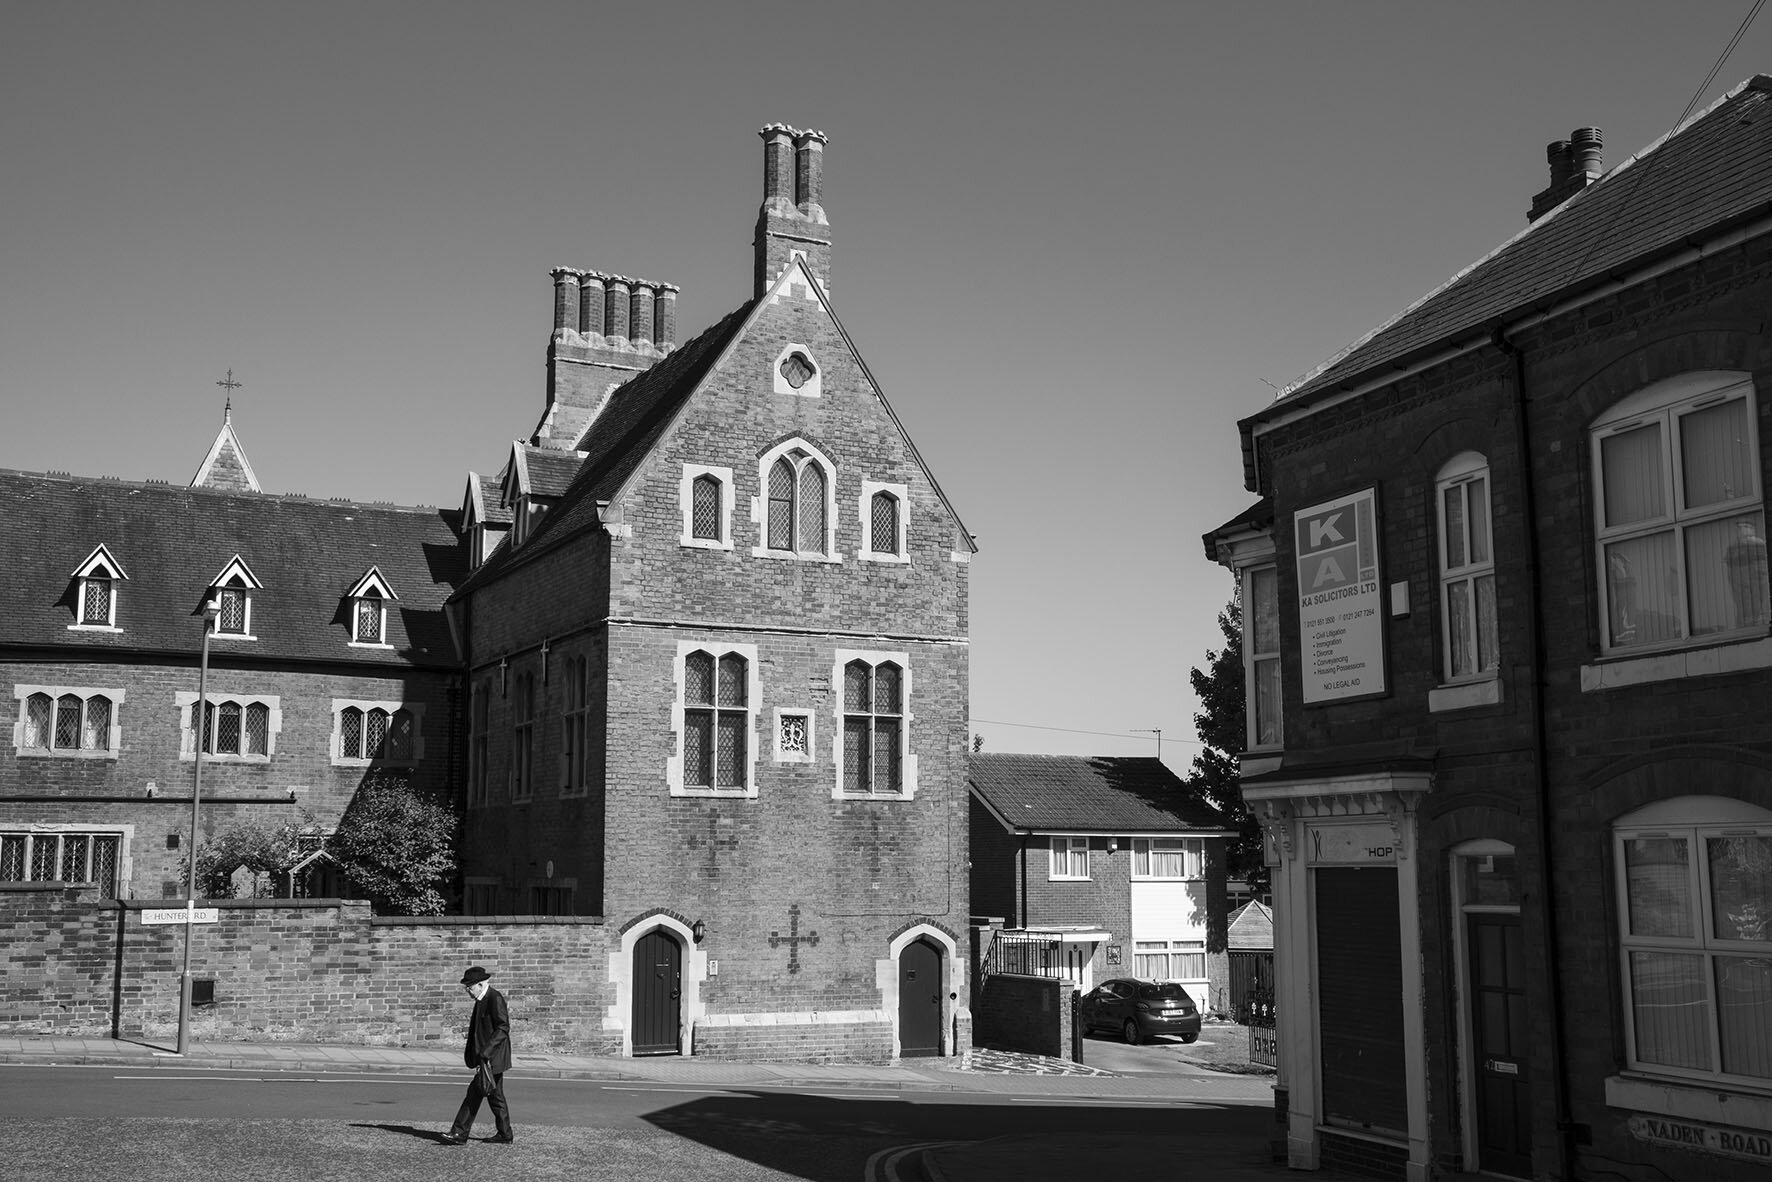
[(718, 671), (1506, 638), (331, 660)]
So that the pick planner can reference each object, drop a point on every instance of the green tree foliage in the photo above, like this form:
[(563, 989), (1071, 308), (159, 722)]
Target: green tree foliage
[(397, 844), (1223, 734)]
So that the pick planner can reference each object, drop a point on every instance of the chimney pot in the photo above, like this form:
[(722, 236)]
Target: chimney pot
[(664, 317), (1584, 146), (1562, 162), (640, 313), (566, 298), (809, 173), (615, 309), (778, 167), (590, 303)]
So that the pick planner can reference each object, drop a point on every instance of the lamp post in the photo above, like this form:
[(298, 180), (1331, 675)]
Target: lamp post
[(199, 728)]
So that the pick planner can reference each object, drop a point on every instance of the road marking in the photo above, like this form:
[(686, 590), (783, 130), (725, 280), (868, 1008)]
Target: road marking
[(882, 1165)]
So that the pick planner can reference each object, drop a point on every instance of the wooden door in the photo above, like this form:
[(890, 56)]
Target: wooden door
[(658, 988), (1498, 1031), (919, 1000)]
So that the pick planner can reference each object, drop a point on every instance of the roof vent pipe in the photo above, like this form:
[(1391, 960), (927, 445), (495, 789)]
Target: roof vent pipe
[(1584, 146)]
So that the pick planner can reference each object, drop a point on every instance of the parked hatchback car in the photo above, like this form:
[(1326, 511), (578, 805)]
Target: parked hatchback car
[(1139, 1009)]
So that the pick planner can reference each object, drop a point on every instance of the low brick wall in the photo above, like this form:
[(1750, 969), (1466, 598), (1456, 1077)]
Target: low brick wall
[(322, 970), (860, 1041), (1030, 1014)]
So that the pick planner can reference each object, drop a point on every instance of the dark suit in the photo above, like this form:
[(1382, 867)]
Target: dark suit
[(489, 1042)]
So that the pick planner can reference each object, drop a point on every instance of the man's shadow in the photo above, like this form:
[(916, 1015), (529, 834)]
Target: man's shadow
[(440, 1138)]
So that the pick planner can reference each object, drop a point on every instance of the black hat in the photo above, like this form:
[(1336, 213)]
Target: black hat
[(475, 975)]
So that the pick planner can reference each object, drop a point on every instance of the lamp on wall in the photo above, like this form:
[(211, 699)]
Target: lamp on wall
[(698, 929), (1113, 845)]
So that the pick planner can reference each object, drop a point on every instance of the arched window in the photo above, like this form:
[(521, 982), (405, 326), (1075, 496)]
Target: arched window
[(370, 611), (873, 728), (95, 597), (883, 514), (236, 728), (78, 722), (716, 721), (1467, 569), (798, 495), (705, 508)]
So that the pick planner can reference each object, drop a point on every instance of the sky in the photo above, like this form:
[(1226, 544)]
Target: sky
[(1074, 243)]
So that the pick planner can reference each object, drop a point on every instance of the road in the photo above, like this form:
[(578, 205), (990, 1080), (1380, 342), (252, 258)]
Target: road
[(87, 1123)]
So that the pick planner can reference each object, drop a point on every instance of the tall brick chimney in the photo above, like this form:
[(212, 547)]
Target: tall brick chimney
[(792, 220), (1574, 164), (607, 328)]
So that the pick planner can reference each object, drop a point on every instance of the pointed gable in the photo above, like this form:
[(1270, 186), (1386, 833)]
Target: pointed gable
[(100, 562), (226, 466)]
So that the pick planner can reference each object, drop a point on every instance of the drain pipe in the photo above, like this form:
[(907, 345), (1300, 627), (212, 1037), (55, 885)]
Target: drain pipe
[(1541, 754)]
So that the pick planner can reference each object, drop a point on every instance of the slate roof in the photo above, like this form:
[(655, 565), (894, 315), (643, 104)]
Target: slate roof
[(1251, 928), (550, 471), (1712, 173), (622, 436), (172, 541), (1089, 794)]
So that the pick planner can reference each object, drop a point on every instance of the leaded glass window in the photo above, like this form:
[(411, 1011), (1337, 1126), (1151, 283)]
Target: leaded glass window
[(884, 508), (233, 610), (350, 732), (369, 618), (37, 711), (798, 512), (68, 712), (796, 369), (705, 508), (95, 599), (716, 721), (61, 857), (72, 722), (873, 728)]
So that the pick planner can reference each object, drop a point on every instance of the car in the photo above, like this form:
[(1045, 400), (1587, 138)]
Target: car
[(1137, 1010)]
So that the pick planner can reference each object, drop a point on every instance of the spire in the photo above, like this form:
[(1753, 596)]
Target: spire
[(226, 466)]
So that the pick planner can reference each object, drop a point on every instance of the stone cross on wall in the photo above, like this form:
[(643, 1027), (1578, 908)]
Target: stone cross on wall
[(793, 939)]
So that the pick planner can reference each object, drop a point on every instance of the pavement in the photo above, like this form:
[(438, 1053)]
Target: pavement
[(1033, 1157)]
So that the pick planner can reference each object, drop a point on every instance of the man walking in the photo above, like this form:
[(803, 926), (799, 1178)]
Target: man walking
[(489, 1053)]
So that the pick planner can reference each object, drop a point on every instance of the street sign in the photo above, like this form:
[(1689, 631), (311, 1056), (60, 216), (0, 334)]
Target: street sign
[(179, 914)]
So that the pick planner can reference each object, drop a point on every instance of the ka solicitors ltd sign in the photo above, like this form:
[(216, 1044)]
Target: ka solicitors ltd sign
[(1341, 624)]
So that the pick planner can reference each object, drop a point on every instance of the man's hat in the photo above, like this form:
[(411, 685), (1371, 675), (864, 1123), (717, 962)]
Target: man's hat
[(475, 975)]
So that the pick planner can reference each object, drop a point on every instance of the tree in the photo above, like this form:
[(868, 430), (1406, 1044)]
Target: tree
[(1222, 727), (397, 844), (265, 850)]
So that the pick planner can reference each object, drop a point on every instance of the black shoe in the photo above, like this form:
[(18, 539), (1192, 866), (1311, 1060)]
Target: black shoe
[(453, 1138), (502, 1139)]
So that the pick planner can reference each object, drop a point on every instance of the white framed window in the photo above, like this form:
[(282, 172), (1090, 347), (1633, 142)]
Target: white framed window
[(66, 853), (479, 712), (1694, 888), (705, 495), (1681, 527), (233, 591), (1169, 960), (796, 514), (714, 720), (881, 508), (523, 737), (71, 722), (872, 739), (1168, 857), (95, 592), (1261, 656), (575, 720), (239, 728), (1469, 648), (797, 372), (368, 601), (1070, 858), (794, 738), (366, 732)]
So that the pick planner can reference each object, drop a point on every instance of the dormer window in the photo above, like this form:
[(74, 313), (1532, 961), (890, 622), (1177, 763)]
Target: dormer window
[(368, 605), (95, 591), (233, 591)]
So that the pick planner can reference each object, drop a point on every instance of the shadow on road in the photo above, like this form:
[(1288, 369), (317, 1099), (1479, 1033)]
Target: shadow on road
[(793, 1132), (409, 1130)]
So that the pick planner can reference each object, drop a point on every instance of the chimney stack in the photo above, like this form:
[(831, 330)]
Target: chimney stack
[(664, 318), (792, 219), (607, 329), (565, 298), (1574, 164)]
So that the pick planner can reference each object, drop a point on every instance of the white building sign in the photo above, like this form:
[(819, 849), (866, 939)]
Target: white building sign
[(1340, 614)]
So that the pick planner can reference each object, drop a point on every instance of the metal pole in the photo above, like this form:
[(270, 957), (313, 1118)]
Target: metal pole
[(199, 729)]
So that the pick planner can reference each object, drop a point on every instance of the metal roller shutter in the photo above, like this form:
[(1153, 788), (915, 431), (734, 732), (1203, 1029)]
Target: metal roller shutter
[(1360, 998)]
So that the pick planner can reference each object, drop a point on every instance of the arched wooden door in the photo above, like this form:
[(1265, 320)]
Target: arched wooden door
[(658, 991), (919, 1000)]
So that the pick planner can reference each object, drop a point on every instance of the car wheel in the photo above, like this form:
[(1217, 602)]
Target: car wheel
[(1189, 1037), (1131, 1032)]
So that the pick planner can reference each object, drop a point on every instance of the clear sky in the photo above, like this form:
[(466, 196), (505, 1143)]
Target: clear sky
[(1075, 243)]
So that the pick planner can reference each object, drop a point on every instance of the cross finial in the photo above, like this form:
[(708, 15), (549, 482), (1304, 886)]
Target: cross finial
[(230, 385)]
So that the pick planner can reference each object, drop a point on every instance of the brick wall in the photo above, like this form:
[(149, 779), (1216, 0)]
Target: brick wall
[(1029, 1014), (311, 971), (113, 791)]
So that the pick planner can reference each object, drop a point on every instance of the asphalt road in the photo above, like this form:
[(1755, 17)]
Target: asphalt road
[(90, 1123)]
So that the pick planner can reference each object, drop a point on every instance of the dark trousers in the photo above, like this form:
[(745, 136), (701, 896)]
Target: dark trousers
[(470, 1107)]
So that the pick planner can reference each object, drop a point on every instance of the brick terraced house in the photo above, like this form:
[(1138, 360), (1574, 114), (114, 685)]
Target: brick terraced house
[(1510, 691), (330, 661), (718, 668)]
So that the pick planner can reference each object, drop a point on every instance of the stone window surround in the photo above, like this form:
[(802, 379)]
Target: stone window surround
[(760, 504), (806, 715), (907, 757), (753, 674), (901, 554), (23, 693), (184, 700), (686, 499), (812, 387), (336, 743)]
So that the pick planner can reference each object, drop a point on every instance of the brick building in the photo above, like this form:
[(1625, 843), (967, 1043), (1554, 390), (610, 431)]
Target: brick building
[(1507, 648), (330, 661), (718, 669), (1098, 867)]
